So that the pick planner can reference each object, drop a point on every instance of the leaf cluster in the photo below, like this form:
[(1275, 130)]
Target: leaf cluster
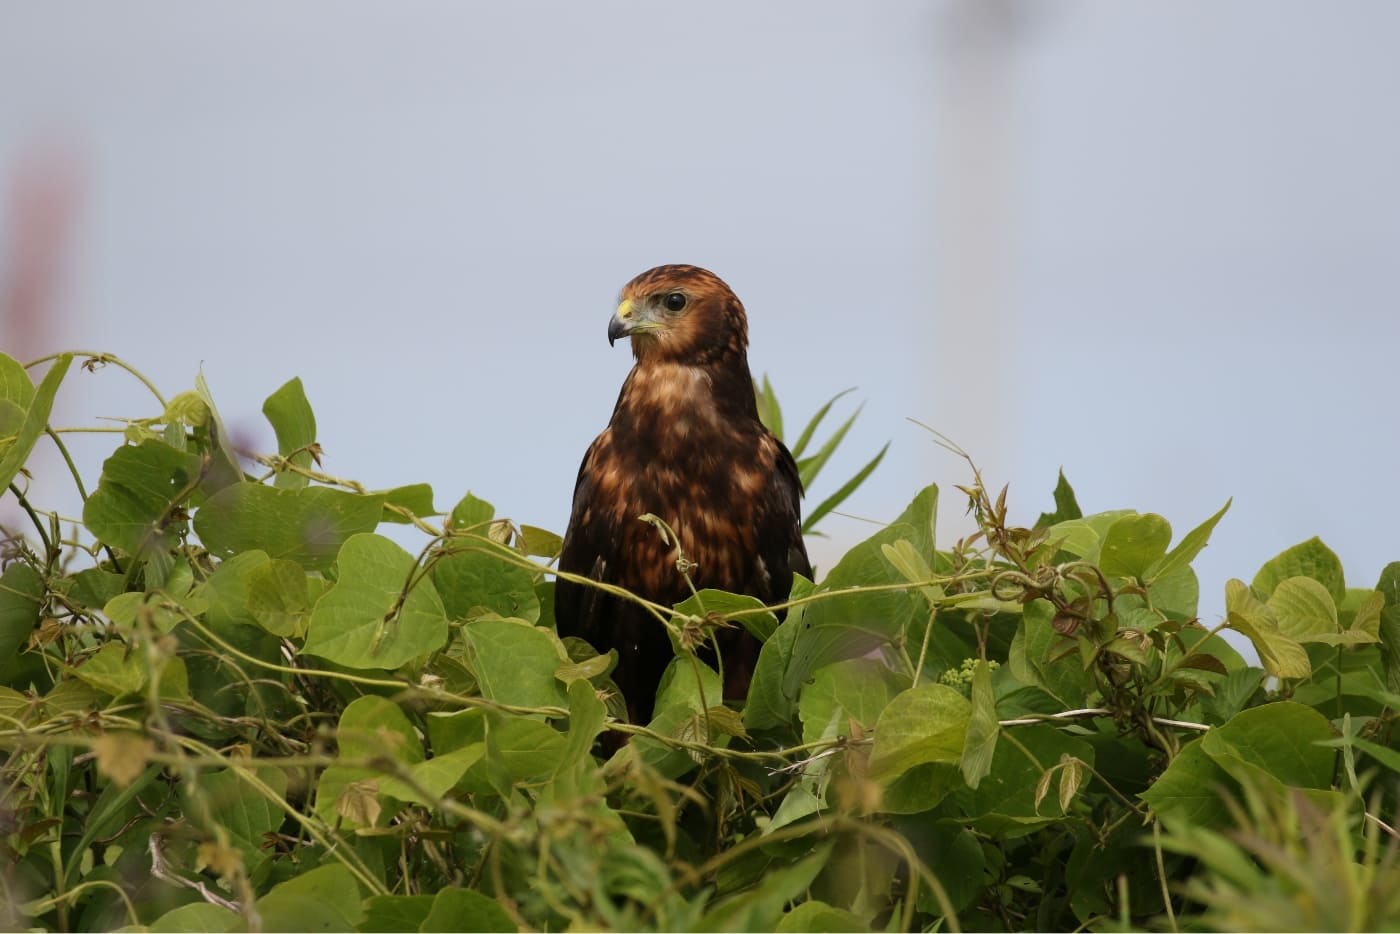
[(229, 701)]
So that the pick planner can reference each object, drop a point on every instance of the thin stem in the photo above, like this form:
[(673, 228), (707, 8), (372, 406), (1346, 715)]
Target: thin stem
[(1032, 719), (67, 459), (1162, 873), (923, 648), (34, 517), (96, 358)]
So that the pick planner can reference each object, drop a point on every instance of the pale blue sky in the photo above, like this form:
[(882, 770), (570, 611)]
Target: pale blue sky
[(1155, 243)]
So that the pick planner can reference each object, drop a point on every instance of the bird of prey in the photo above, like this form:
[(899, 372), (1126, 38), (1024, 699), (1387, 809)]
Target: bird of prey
[(685, 445)]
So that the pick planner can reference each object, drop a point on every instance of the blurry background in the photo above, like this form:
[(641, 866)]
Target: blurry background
[(1157, 244)]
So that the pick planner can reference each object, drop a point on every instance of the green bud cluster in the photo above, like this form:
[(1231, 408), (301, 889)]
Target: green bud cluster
[(961, 677)]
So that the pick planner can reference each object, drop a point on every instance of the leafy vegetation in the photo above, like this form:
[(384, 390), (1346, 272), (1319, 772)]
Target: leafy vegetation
[(228, 702)]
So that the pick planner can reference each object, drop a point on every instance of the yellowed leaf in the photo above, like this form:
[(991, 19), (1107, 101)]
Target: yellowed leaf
[(226, 861), (122, 756), (359, 802)]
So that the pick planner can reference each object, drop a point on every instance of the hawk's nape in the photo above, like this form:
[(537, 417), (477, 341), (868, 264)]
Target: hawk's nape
[(684, 444)]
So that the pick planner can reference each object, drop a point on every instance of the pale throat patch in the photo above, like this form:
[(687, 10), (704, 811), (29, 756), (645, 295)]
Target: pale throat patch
[(680, 393)]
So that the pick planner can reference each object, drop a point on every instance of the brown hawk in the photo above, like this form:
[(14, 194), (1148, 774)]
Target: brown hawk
[(684, 444)]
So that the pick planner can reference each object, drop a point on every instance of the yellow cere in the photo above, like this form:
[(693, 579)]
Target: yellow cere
[(624, 310)]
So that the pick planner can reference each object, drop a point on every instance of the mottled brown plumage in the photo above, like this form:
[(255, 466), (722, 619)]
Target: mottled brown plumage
[(685, 443)]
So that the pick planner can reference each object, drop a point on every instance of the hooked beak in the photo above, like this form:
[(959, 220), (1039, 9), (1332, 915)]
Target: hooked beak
[(624, 321), (617, 328)]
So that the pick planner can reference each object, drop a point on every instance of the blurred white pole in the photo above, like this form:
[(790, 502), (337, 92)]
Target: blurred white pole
[(972, 241)]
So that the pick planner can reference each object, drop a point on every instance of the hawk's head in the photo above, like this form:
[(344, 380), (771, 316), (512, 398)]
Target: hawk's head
[(681, 314)]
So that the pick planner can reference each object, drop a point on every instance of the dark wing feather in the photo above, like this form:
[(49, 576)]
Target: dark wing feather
[(575, 610), (780, 554), (602, 620), (780, 541), (589, 550)]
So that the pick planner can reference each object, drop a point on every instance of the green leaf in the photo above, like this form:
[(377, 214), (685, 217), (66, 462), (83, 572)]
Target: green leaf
[(385, 914), (15, 385), (529, 750), (472, 514), (688, 689), (809, 467), (1004, 802), (912, 566), (307, 526), (769, 412), (853, 624), (359, 623), (15, 449), (183, 410), (295, 425), (252, 590), (1081, 537), (1189, 791), (280, 596), (920, 788), (474, 583), (805, 798), (758, 908), (844, 491), (691, 688), (1277, 741), (709, 602), (1303, 609), (1389, 629), (953, 854), (11, 421), (1365, 613), (587, 716), (198, 916), (1190, 545), (322, 899), (982, 727), (514, 662), (243, 810), (226, 590), (540, 543), (222, 469), (1176, 594), (768, 705), (93, 587), (417, 498), (856, 689), (1282, 657), (114, 669), (1066, 506), (805, 438), (1038, 657), (1133, 544), (21, 598), (591, 667), (13, 707), (374, 726), (435, 777), (133, 505), (1308, 559), (818, 916), (72, 696), (1232, 693), (1387, 757), (457, 909), (456, 730), (923, 724)]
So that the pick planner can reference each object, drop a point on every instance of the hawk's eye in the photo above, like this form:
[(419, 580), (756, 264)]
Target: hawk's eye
[(674, 301)]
